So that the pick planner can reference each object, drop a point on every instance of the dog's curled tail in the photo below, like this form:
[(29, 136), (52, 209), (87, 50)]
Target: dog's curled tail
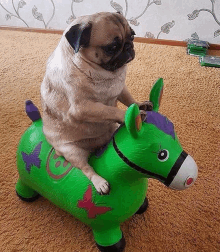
[(32, 111)]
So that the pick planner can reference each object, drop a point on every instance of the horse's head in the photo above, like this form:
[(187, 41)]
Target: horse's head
[(152, 146)]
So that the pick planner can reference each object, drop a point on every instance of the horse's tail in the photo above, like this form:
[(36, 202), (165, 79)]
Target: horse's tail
[(32, 111)]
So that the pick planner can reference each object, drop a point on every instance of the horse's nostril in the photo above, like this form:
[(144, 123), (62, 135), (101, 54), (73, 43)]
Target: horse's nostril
[(186, 175), (189, 181)]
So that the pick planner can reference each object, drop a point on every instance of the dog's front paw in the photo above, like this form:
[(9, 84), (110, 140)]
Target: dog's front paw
[(146, 106), (143, 115), (120, 116), (101, 185)]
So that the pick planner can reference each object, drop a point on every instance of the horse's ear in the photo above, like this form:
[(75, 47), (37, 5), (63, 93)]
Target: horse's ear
[(133, 120), (79, 35), (156, 94)]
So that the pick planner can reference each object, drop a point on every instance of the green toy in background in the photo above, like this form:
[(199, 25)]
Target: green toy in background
[(137, 151), (197, 47)]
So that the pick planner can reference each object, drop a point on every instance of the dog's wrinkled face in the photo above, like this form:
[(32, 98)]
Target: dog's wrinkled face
[(104, 38)]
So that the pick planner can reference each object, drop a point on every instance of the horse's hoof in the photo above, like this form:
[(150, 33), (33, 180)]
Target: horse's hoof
[(117, 247), (32, 199), (143, 208), (26, 193)]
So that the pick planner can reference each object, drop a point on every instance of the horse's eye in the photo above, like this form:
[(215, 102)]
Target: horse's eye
[(163, 155)]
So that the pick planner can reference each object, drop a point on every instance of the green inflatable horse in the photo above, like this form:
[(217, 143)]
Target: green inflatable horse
[(137, 151)]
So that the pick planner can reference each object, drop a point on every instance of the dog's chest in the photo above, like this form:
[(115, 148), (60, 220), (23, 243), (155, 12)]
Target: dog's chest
[(108, 90)]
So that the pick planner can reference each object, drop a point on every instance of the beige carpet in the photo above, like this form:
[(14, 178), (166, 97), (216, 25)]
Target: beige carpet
[(185, 221)]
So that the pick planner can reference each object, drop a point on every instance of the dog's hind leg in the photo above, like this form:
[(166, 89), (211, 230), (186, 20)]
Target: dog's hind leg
[(78, 157)]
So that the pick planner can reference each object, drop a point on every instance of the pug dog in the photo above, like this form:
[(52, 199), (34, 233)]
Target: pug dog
[(84, 79)]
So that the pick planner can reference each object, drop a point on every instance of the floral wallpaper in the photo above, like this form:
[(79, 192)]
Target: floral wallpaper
[(159, 19)]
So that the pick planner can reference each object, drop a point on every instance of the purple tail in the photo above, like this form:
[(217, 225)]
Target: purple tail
[(32, 111)]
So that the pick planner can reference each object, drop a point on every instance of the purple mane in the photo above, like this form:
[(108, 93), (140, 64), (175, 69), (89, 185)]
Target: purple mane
[(161, 122)]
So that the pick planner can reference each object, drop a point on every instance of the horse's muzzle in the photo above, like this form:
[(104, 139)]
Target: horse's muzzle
[(186, 173)]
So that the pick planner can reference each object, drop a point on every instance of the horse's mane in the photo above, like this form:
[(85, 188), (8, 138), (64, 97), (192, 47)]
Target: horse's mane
[(161, 122)]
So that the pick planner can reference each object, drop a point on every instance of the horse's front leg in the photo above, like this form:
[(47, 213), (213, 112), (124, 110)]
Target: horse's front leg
[(109, 240)]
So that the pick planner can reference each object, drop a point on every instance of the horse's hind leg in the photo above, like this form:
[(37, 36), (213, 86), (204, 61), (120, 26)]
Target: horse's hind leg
[(25, 193), (110, 240), (143, 207)]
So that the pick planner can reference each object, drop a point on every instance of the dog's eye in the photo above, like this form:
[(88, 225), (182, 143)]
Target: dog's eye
[(110, 50), (132, 34)]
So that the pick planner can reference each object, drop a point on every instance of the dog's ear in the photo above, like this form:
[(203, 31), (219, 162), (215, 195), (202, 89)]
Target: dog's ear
[(79, 35)]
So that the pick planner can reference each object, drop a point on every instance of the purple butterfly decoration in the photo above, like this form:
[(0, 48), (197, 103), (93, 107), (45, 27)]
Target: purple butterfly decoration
[(33, 158)]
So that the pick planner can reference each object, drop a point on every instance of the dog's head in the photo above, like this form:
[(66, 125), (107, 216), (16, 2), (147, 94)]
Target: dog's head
[(104, 38)]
